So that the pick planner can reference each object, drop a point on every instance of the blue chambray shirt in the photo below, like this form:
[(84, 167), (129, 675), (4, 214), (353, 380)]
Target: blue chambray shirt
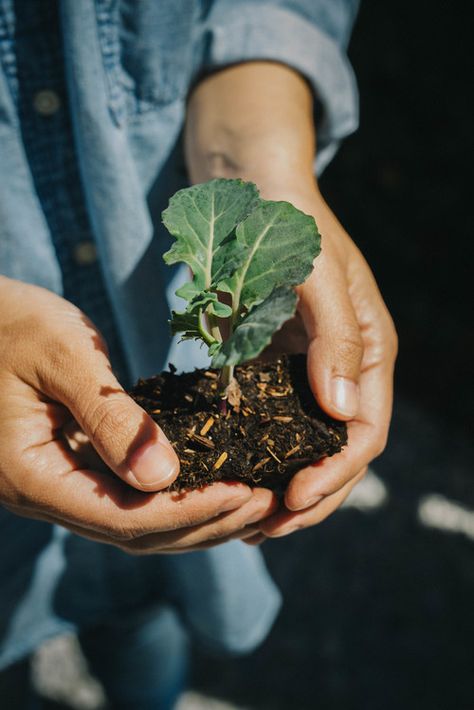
[(92, 103)]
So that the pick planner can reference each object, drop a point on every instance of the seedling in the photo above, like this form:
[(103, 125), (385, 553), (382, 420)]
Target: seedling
[(246, 254)]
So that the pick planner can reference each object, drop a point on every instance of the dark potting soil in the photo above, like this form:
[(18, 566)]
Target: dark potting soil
[(276, 430)]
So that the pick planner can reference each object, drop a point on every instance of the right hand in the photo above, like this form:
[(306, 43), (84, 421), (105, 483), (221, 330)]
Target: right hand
[(54, 371)]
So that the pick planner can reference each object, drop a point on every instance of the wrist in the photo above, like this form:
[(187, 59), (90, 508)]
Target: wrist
[(252, 121)]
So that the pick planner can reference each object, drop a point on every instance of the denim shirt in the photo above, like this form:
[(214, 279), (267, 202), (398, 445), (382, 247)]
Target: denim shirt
[(89, 165), (128, 67)]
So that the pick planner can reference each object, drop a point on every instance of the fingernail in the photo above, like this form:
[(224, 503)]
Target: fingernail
[(345, 396), (154, 465)]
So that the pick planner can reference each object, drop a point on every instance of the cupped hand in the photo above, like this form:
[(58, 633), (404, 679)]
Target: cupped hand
[(351, 348), (54, 372)]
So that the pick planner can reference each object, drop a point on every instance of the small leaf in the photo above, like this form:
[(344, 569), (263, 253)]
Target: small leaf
[(188, 291), (255, 330), (208, 301), (201, 217), (280, 244), (190, 321), (185, 323)]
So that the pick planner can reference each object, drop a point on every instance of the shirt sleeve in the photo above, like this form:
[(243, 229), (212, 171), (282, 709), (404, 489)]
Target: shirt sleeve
[(310, 36)]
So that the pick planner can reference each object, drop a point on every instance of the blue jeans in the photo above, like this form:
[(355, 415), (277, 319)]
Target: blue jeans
[(126, 608), (141, 660)]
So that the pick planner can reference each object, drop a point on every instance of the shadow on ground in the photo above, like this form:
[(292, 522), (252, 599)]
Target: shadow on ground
[(378, 610)]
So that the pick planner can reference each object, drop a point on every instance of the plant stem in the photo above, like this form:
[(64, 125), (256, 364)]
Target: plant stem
[(205, 335), (214, 327), (223, 406), (226, 377)]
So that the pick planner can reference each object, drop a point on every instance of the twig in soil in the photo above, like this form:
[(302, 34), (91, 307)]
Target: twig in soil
[(292, 451), (260, 464), (204, 441), (273, 454), (207, 426), (222, 458)]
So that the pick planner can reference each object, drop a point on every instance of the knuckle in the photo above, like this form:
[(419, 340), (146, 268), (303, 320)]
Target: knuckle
[(393, 342), (349, 347), (380, 444), (106, 418), (122, 532), (390, 336), (219, 531), (131, 549), (363, 473)]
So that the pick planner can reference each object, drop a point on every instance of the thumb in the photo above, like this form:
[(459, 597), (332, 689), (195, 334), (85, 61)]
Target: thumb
[(335, 347), (124, 436)]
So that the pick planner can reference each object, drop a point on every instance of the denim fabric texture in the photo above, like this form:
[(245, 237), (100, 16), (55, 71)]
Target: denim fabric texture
[(99, 169)]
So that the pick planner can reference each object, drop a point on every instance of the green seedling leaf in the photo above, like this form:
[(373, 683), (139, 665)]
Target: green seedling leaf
[(191, 322), (208, 301), (188, 324), (255, 330), (201, 218), (279, 244)]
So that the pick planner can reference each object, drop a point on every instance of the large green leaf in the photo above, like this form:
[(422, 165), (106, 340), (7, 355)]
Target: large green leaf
[(279, 244), (255, 330), (201, 218)]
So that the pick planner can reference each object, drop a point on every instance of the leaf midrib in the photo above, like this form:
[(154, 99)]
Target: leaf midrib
[(245, 268)]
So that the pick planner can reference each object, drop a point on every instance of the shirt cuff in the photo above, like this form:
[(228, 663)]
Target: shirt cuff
[(277, 34)]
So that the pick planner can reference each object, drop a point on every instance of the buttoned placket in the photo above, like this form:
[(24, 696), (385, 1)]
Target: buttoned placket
[(49, 143)]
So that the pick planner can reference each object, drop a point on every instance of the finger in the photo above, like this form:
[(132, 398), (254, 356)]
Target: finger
[(80, 444), (130, 547), (262, 504), (335, 345), (58, 486), (176, 550), (124, 436), (286, 522), (367, 436), (201, 537)]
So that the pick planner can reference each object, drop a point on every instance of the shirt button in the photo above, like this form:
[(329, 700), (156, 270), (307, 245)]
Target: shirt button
[(46, 102), (85, 253)]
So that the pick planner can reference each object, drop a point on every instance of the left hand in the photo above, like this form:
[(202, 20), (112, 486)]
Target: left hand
[(351, 348)]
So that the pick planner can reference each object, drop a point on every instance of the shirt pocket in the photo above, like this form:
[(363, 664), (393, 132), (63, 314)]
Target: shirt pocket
[(148, 53)]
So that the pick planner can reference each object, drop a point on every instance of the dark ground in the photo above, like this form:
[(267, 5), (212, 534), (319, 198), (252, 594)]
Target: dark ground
[(378, 612), (379, 609)]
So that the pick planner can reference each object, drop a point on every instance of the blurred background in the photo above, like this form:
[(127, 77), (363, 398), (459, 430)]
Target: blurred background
[(379, 598)]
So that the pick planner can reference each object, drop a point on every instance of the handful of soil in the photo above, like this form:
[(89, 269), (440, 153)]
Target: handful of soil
[(263, 440)]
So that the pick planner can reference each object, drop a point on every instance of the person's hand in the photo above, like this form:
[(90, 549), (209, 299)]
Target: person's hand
[(255, 121), (351, 346), (54, 371)]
